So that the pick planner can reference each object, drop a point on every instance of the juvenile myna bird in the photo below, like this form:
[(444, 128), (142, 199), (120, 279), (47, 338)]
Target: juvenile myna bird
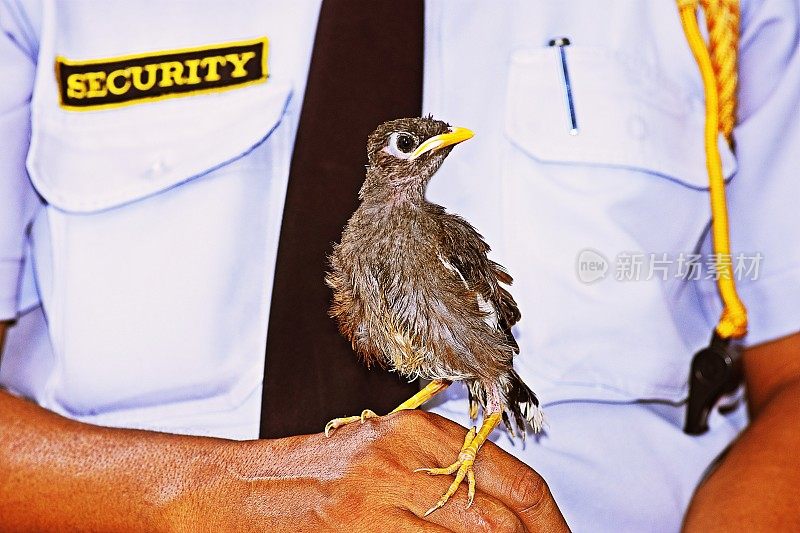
[(414, 290)]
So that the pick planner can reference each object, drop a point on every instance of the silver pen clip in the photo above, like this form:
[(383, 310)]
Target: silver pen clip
[(560, 43)]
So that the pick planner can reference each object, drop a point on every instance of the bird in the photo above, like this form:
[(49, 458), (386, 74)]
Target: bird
[(415, 291)]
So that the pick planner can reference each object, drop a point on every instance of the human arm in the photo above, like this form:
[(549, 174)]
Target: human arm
[(59, 474), (754, 488), (754, 483)]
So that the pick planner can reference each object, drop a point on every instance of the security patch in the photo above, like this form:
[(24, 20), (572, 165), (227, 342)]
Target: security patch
[(127, 80)]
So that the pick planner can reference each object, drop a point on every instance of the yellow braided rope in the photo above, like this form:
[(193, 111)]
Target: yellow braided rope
[(718, 70), (722, 21)]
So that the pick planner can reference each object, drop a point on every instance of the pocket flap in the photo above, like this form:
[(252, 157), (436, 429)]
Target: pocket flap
[(627, 115), (93, 160)]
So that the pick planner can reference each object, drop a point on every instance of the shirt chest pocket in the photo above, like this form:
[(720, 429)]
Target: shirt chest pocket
[(626, 114), (90, 160), (630, 183), (162, 211)]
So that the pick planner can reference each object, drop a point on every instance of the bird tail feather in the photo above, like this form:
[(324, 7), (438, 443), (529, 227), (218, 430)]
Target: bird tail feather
[(522, 405)]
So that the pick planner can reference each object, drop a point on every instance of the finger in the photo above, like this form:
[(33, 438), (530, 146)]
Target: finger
[(406, 521), (495, 469), (503, 476), (499, 475), (485, 514)]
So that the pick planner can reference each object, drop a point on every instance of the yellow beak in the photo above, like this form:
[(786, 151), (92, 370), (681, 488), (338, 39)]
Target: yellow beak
[(455, 136)]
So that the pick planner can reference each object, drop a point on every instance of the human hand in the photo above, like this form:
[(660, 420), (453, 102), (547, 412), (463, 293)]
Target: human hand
[(362, 479)]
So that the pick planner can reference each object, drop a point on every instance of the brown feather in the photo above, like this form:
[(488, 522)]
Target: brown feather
[(409, 280)]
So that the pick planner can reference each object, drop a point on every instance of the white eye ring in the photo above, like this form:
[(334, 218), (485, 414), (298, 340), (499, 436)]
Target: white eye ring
[(395, 150)]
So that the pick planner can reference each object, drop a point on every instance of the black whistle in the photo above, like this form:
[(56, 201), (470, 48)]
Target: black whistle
[(716, 371)]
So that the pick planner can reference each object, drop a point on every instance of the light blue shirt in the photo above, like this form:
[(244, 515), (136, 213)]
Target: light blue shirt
[(143, 284)]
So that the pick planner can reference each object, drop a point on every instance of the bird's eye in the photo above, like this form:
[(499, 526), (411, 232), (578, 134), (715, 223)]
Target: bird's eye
[(405, 142), (401, 144)]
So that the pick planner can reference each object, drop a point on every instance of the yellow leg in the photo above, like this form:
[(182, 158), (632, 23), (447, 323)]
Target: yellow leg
[(473, 410), (429, 391), (426, 393), (463, 466)]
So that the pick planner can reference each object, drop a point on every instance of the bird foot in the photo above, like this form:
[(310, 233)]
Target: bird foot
[(339, 422), (461, 468)]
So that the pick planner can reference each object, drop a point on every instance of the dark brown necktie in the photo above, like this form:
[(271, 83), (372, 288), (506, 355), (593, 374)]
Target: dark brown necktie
[(366, 68)]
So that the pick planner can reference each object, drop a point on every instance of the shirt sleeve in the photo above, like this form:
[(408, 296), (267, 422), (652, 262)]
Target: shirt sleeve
[(18, 200), (764, 195)]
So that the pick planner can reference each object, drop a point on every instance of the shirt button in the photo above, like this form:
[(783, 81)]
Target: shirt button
[(156, 169)]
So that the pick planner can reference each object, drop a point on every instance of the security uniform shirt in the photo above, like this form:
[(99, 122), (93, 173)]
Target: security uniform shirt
[(144, 156)]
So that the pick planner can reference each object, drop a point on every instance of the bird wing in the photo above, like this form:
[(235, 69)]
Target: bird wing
[(464, 252)]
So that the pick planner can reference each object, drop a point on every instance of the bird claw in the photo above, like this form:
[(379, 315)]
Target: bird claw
[(462, 468), (367, 414), (339, 422)]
